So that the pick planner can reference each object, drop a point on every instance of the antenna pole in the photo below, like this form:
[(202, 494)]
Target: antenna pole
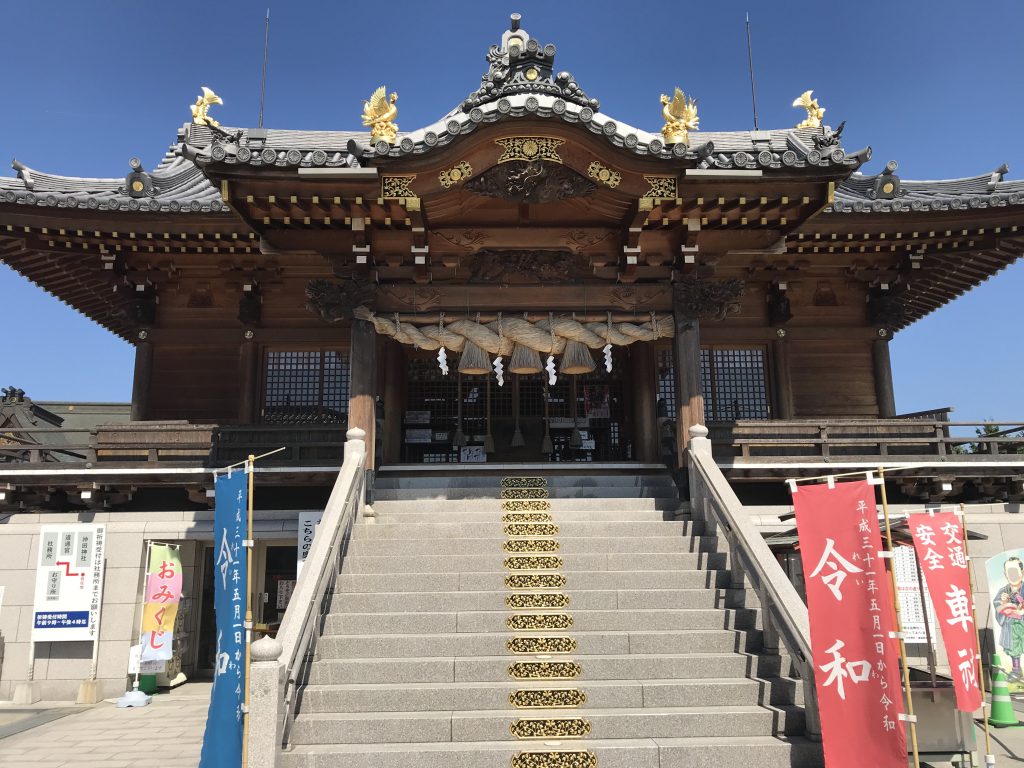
[(750, 65), (263, 81)]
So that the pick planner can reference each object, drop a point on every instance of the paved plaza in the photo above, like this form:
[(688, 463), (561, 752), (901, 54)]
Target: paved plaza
[(168, 733)]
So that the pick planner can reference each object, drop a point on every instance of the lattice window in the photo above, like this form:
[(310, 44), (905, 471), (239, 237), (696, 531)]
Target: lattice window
[(734, 382), (306, 387), (666, 383)]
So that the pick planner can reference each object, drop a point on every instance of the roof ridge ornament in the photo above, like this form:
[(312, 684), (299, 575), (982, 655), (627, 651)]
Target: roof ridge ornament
[(201, 109), (521, 65), (379, 113), (815, 112), (680, 113)]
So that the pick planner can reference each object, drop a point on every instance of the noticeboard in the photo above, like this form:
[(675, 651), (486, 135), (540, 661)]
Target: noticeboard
[(69, 582)]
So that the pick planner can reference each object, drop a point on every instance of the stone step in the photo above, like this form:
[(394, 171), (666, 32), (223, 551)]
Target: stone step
[(563, 545), (390, 481), (578, 600), (495, 562), (411, 515), (443, 507), (490, 581), (557, 492), (409, 623), (418, 697), (698, 752), (496, 643), (393, 528), (619, 723), (497, 668)]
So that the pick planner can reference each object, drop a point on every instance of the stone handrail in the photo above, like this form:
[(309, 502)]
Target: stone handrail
[(279, 665), (784, 615)]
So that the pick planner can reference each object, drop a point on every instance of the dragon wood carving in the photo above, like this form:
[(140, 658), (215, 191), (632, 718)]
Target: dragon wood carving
[(523, 267), (531, 182), (335, 301), (707, 299)]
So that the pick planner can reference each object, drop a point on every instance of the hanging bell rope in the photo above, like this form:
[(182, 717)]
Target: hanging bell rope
[(546, 336)]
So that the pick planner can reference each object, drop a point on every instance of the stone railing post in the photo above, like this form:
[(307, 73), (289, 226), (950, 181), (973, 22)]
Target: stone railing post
[(699, 442), (266, 705), (355, 448)]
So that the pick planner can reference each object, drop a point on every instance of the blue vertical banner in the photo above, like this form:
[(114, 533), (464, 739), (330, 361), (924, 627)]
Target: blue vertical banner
[(222, 742)]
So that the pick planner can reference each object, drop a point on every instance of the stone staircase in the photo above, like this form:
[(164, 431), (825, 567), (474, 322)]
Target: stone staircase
[(581, 621)]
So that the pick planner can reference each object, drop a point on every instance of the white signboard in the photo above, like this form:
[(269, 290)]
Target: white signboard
[(69, 582), (308, 521), (138, 667), (908, 587)]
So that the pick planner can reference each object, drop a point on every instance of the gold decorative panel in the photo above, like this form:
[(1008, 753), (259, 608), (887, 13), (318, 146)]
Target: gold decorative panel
[(454, 175), (524, 482), (524, 493), (533, 563), (661, 187), (537, 600), (604, 174), (527, 517), (550, 728), (531, 529), (539, 698), (541, 645), (526, 505), (580, 759), (544, 670), (530, 148), (531, 545), (539, 621), (396, 187), (535, 581)]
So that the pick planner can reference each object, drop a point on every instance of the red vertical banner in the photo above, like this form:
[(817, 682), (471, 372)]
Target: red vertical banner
[(850, 607), (939, 542)]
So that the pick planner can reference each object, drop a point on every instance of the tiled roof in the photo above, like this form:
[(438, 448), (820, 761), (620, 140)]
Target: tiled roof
[(861, 194), (176, 185), (786, 148)]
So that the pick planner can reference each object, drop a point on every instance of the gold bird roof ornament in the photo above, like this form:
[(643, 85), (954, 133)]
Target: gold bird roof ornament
[(680, 114), (200, 110), (815, 112), (379, 113)]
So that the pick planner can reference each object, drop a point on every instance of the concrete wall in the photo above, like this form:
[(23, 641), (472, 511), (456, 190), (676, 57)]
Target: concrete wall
[(61, 667)]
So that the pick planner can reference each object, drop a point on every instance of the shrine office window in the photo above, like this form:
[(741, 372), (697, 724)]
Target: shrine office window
[(306, 387), (734, 383)]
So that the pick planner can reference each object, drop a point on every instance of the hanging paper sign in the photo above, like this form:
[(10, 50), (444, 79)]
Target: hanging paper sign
[(849, 604), (308, 521), (160, 606), (939, 542), (222, 742), (69, 582), (917, 616)]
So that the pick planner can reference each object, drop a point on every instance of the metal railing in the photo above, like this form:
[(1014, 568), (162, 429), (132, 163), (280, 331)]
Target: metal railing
[(281, 665), (783, 613)]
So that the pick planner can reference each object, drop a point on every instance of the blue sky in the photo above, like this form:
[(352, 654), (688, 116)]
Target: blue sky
[(935, 85)]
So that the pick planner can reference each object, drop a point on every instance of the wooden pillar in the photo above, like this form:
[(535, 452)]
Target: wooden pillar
[(643, 387), (883, 379), (689, 397), (142, 380), (363, 359), (248, 378), (781, 379), (394, 380)]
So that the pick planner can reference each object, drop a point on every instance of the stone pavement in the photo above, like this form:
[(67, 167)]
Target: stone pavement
[(168, 733)]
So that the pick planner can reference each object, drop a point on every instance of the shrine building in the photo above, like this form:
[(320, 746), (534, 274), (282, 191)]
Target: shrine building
[(526, 287)]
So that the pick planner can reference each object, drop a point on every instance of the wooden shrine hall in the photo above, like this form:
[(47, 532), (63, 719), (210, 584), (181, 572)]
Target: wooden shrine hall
[(527, 279)]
